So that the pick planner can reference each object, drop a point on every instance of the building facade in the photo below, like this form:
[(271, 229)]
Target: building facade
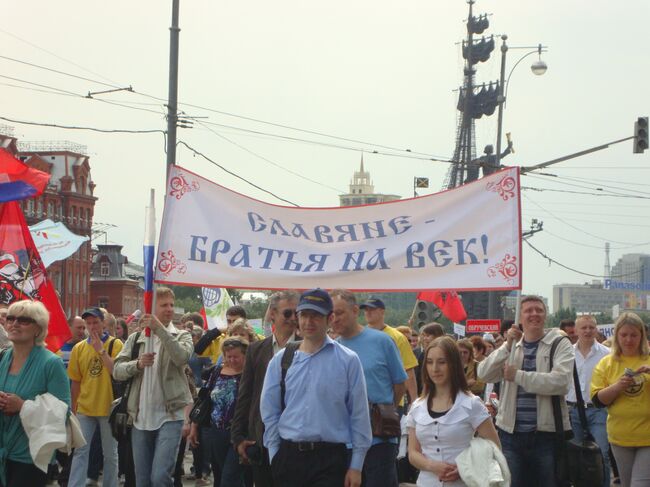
[(362, 191), (597, 298), (633, 268), (115, 283), (69, 198)]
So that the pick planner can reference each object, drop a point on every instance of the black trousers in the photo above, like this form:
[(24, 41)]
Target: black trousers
[(262, 476), (322, 467), (24, 474)]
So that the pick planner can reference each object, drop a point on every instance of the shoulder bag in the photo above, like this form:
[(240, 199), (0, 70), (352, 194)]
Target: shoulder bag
[(119, 419), (202, 408), (579, 462)]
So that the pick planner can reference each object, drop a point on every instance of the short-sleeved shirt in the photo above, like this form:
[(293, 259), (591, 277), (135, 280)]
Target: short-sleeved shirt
[(87, 368), (628, 420), (405, 351), (443, 438), (382, 366), (65, 351)]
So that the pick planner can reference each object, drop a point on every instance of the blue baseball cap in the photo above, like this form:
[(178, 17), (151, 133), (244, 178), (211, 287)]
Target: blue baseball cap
[(373, 303), (96, 312), (315, 300)]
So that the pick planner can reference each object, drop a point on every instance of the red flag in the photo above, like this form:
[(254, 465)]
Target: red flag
[(205, 318), (449, 303), (19, 181), (22, 274)]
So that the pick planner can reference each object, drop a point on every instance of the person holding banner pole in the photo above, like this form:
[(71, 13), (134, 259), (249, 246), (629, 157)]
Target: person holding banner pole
[(157, 412)]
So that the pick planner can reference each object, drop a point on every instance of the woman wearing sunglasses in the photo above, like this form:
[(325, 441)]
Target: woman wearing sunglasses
[(215, 437), (27, 370)]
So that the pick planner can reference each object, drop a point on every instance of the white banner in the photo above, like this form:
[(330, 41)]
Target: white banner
[(216, 302), (54, 241), (467, 238)]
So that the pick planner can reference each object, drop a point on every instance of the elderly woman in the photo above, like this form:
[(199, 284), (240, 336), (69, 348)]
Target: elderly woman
[(27, 370), (241, 328)]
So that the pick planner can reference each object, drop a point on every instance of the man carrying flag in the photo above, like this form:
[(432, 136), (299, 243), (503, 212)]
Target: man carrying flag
[(157, 409)]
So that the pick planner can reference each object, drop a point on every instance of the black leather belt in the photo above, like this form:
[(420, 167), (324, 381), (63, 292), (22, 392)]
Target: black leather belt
[(311, 445), (575, 404)]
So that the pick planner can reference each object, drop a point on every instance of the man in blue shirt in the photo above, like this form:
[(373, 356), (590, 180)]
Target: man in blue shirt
[(326, 406), (385, 379)]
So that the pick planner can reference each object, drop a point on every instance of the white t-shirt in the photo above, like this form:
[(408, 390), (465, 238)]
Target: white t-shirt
[(443, 439), (152, 412)]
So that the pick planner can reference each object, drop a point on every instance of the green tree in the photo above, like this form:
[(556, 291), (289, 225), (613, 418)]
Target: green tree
[(553, 320)]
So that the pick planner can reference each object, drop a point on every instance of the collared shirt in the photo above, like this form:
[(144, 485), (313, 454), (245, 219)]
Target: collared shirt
[(276, 345), (325, 400), (585, 366), (153, 412)]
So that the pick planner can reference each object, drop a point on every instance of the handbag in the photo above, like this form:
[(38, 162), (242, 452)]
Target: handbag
[(578, 462), (119, 419), (384, 421), (202, 407)]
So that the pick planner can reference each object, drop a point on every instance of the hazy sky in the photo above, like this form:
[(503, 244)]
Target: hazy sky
[(375, 71)]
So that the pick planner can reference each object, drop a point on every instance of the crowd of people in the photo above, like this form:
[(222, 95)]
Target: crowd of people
[(322, 401)]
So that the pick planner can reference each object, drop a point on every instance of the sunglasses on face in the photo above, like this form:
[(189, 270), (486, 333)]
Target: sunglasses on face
[(21, 320), (288, 313)]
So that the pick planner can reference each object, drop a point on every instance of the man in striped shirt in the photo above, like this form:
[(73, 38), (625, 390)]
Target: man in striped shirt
[(78, 330), (525, 418)]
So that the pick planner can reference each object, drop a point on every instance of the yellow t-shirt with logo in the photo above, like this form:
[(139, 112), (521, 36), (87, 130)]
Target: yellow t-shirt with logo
[(87, 368), (213, 351), (628, 420)]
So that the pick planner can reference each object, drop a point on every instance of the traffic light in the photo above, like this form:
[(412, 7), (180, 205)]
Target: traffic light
[(424, 313), (641, 135)]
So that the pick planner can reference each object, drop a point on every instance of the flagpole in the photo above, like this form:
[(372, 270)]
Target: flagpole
[(149, 297)]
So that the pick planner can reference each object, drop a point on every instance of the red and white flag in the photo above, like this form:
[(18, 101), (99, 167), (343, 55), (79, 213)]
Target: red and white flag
[(22, 273)]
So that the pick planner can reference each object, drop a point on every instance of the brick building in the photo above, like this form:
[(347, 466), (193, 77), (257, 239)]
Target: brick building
[(68, 198), (115, 283)]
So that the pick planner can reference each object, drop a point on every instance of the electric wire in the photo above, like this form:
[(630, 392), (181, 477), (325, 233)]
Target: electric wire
[(587, 182), (609, 191), (259, 156), (567, 191), (235, 174), (572, 269), (581, 229), (73, 127)]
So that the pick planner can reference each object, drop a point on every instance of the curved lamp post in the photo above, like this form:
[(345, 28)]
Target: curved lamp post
[(538, 68)]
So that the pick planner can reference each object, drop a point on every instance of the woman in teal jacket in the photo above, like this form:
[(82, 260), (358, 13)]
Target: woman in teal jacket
[(27, 369)]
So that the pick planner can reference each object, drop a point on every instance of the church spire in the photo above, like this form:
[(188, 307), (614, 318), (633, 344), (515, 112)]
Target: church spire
[(361, 170)]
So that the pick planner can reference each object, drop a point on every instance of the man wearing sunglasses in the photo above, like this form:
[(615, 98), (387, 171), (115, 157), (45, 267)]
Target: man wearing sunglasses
[(247, 430)]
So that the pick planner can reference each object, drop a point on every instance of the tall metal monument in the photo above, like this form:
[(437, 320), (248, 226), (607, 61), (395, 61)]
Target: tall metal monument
[(474, 102)]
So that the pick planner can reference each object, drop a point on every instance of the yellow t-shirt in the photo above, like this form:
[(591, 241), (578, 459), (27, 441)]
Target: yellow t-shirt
[(214, 349), (628, 420), (87, 368), (403, 346)]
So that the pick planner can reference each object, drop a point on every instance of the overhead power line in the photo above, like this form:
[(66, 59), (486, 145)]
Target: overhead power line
[(551, 259), (73, 127), (235, 174)]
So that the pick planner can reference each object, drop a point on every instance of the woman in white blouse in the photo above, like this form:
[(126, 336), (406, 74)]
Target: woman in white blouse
[(442, 422)]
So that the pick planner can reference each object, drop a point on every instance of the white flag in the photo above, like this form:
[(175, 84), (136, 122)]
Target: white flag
[(216, 302), (54, 241)]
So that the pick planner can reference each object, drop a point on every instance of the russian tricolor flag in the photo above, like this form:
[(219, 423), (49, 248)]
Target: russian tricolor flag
[(18, 181), (148, 251)]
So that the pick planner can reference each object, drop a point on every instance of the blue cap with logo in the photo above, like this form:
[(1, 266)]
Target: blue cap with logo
[(317, 300), (96, 312), (373, 303)]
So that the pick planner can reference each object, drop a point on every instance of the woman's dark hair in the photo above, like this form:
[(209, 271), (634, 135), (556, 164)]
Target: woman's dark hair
[(457, 379), (125, 329)]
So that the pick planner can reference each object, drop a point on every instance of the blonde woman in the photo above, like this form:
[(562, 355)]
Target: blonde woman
[(27, 370), (620, 383)]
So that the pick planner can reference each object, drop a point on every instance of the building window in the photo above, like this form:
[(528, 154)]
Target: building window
[(104, 269), (102, 302), (50, 209)]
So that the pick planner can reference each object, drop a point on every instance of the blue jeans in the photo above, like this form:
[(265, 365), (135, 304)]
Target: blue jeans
[(530, 457), (380, 467), (154, 454), (222, 456), (109, 447), (597, 423)]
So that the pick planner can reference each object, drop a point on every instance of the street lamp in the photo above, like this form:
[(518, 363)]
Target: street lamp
[(538, 68)]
